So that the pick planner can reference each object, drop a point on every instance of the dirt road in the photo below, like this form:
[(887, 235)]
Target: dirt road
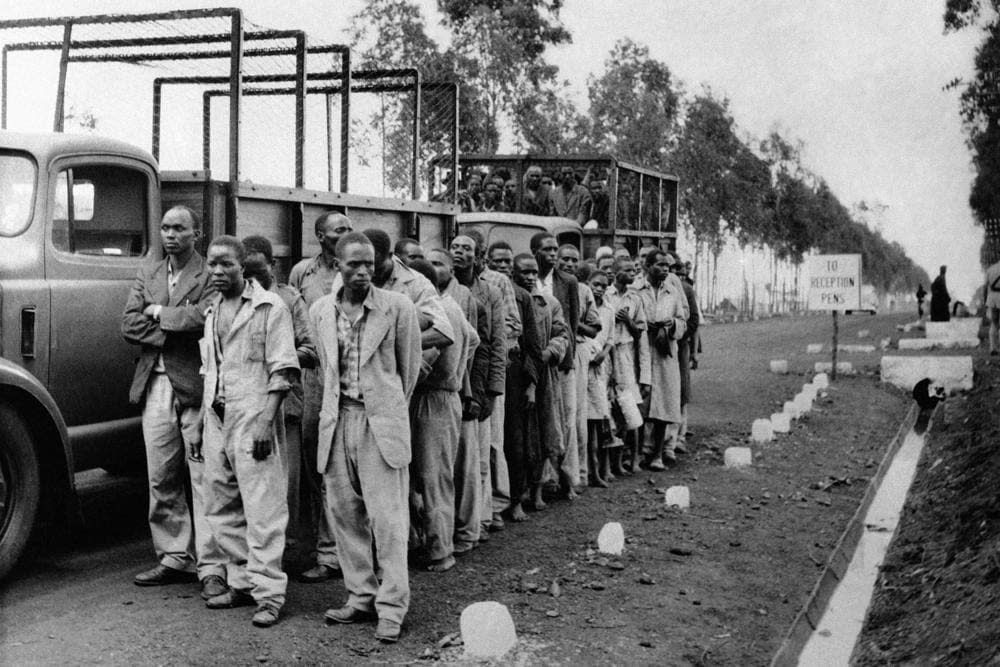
[(726, 577)]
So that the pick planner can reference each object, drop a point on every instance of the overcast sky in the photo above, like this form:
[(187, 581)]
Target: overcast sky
[(858, 81)]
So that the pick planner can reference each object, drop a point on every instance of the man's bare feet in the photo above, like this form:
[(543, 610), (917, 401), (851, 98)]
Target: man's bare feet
[(517, 513), (441, 564), (539, 503), (595, 480)]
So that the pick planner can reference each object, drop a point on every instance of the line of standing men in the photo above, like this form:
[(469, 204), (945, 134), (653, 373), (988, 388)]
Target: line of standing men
[(457, 342)]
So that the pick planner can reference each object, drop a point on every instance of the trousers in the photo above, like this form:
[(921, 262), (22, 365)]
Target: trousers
[(468, 485), (500, 475), (246, 504), (436, 416), (181, 536), (570, 464), (313, 487), (369, 501), (584, 353)]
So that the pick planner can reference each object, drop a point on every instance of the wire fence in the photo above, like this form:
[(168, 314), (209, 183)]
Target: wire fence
[(164, 82)]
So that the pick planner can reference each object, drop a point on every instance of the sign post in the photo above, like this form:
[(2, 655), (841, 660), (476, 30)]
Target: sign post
[(834, 285)]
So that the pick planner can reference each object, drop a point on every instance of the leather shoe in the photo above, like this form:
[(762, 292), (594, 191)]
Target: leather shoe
[(266, 614), (161, 575), (320, 572), (230, 600), (213, 586), (387, 631), (349, 614)]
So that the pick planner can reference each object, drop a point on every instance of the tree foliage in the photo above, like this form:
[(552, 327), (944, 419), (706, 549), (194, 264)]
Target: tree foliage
[(758, 193), (501, 44), (634, 105), (980, 102)]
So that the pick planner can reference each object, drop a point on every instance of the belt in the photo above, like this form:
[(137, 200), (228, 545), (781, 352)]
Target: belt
[(348, 402)]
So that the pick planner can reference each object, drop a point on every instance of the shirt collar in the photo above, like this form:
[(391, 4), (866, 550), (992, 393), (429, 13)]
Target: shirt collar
[(367, 304)]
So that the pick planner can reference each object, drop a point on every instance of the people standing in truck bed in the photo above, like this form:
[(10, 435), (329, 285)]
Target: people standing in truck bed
[(570, 199), (165, 315)]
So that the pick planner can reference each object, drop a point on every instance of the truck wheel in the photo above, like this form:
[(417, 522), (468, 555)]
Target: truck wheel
[(20, 482)]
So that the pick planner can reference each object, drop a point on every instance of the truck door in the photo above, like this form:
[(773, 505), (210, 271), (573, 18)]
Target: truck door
[(24, 297), (99, 235)]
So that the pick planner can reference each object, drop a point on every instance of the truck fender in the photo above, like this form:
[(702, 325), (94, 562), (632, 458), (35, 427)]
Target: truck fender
[(31, 399)]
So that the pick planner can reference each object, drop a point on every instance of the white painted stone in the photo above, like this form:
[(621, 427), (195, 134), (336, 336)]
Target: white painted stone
[(907, 328), (937, 343), (952, 373), (857, 349), (804, 403), (791, 409), (814, 348), (779, 366), (737, 457), (810, 390), (487, 630), (885, 343), (821, 380), (761, 430), (678, 496), (611, 539), (843, 367), (781, 422), (864, 333), (954, 329)]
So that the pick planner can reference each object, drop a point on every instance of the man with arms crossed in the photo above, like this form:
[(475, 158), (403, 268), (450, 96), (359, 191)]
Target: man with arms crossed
[(165, 314)]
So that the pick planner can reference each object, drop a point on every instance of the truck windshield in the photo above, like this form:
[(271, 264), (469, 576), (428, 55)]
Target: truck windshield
[(17, 193)]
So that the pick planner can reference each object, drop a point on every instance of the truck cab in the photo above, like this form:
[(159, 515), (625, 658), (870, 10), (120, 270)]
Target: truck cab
[(78, 215)]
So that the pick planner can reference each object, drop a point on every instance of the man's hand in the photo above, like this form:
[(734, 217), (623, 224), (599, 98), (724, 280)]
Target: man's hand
[(263, 439), (152, 311), (623, 316), (194, 451), (470, 410), (599, 358), (644, 391), (486, 409), (529, 397), (547, 357)]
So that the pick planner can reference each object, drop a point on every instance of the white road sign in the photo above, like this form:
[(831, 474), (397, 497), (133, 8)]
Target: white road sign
[(834, 282)]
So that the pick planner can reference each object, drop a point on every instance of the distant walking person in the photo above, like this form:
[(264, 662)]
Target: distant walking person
[(940, 298), (921, 295), (993, 305)]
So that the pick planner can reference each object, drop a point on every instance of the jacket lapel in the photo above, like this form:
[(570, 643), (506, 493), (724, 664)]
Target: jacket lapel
[(376, 326), (189, 280), (157, 286)]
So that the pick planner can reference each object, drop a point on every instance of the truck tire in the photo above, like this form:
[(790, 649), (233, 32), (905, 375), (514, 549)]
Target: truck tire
[(20, 487)]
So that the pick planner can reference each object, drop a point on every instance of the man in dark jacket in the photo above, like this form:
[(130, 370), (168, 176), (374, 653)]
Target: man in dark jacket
[(165, 315)]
